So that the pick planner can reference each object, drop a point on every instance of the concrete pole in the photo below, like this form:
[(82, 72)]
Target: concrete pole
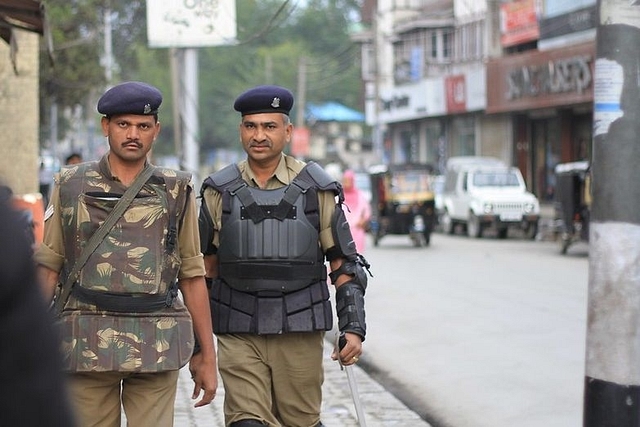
[(301, 100), (108, 45), (190, 114), (174, 61), (612, 375)]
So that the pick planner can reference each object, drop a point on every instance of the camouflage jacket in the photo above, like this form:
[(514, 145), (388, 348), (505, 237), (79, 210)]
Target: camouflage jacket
[(123, 314)]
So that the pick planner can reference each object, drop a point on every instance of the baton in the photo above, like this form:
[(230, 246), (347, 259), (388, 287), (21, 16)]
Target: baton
[(353, 385)]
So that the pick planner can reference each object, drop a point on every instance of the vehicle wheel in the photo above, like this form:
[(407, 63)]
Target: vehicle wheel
[(531, 231), (474, 227), (502, 233), (447, 223)]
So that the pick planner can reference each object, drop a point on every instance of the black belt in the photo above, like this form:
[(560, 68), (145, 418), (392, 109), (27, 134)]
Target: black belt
[(272, 271), (125, 303)]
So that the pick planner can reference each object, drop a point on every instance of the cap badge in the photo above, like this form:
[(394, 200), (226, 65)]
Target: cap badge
[(147, 108), (276, 102)]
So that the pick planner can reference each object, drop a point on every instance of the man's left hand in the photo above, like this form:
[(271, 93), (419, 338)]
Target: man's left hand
[(205, 377), (351, 351)]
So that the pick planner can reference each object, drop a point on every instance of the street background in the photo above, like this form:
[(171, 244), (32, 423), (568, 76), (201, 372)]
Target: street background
[(463, 333), (480, 332)]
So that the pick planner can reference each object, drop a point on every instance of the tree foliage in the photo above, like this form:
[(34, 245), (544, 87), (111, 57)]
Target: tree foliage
[(274, 36)]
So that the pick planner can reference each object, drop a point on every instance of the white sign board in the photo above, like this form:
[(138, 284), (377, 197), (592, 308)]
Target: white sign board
[(191, 23), (620, 12)]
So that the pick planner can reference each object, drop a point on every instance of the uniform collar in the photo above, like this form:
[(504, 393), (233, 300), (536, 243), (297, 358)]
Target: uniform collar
[(281, 172), (105, 168)]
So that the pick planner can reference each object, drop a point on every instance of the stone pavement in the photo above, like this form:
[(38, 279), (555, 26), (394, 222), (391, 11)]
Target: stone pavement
[(381, 408)]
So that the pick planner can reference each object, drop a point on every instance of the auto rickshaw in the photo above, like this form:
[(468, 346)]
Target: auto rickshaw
[(572, 203), (403, 202)]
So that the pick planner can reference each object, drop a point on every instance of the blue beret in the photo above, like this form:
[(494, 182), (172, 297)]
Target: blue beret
[(264, 99), (130, 98)]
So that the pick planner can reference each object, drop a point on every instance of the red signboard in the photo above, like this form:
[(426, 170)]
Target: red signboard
[(456, 94), (518, 22), (300, 142)]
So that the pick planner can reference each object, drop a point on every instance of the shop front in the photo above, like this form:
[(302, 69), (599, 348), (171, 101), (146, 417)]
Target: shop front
[(549, 97), (434, 119)]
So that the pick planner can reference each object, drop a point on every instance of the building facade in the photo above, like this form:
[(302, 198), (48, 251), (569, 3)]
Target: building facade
[(21, 24), (510, 79)]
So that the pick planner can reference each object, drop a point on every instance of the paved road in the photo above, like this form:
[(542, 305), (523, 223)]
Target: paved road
[(382, 409), (480, 332)]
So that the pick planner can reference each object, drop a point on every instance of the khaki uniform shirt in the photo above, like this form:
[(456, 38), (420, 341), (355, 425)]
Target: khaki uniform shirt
[(51, 252), (287, 170)]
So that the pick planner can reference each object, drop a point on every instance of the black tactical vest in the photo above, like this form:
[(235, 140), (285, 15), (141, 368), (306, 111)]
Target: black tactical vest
[(272, 277)]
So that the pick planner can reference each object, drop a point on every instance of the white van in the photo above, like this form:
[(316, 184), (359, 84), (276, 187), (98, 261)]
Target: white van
[(482, 193)]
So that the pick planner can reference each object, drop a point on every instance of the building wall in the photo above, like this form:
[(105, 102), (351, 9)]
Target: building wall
[(495, 137), (19, 114)]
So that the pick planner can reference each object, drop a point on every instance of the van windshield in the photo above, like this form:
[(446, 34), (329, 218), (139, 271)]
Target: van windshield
[(495, 179)]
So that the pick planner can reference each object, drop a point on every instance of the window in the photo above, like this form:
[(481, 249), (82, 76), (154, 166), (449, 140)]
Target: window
[(409, 55), (447, 44), (495, 179)]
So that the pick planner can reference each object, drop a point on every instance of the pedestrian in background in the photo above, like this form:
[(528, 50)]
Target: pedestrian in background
[(266, 226), (45, 178), (32, 387), (358, 210), (73, 159), (125, 331)]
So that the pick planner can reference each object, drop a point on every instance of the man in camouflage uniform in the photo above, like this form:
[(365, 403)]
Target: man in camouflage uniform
[(125, 332)]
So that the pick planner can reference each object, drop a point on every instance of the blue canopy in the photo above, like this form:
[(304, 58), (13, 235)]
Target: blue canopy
[(333, 112)]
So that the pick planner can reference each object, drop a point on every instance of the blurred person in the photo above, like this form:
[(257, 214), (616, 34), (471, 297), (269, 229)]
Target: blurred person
[(266, 225), (358, 210), (33, 392), (73, 159), (125, 331), (45, 179)]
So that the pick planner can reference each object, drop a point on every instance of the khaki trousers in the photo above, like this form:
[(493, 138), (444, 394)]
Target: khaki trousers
[(148, 399), (276, 379)]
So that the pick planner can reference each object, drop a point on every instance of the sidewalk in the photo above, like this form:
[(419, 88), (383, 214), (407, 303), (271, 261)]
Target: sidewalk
[(381, 408)]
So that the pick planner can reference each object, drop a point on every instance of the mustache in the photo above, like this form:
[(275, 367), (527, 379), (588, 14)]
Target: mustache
[(260, 144), (135, 142)]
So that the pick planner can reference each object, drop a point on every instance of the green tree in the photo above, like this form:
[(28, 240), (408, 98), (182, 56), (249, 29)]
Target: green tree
[(273, 37)]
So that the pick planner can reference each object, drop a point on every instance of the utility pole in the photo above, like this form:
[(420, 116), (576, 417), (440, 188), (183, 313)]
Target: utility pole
[(302, 92), (612, 374), (191, 126), (175, 61), (378, 144), (108, 45)]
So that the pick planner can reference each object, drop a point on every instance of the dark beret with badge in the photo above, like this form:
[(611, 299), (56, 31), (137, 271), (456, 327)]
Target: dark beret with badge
[(130, 98), (264, 99)]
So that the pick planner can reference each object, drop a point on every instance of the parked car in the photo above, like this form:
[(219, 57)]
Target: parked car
[(482, 193)]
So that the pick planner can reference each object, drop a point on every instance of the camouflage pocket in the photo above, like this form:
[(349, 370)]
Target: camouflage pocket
[(126, 342)]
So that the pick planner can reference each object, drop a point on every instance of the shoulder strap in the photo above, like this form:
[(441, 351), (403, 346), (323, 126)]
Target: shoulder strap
[(176, 204), (100, 234)]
